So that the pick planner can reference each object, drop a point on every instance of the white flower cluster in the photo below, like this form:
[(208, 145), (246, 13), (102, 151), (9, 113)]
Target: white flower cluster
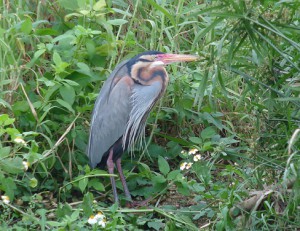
[(5, 199), (19, 140), (185, 165), (98, 219), (196, 157), (26, 165)]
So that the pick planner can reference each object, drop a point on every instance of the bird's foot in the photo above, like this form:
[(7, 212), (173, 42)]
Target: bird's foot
[(136, 204)]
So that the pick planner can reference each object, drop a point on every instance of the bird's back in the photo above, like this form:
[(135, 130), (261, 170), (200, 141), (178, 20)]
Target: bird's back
[(110, 114)]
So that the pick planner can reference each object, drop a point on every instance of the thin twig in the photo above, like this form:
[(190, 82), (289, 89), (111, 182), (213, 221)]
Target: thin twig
[(60, 140)]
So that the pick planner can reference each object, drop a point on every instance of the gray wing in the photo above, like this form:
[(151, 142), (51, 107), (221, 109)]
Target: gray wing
[(110, 115)]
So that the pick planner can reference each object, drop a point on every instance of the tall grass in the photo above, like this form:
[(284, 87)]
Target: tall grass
[(238, 107)]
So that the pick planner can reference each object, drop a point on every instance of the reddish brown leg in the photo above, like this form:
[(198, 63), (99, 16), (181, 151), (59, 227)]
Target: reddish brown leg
[(123, 180), (129, 203), (110, 166)]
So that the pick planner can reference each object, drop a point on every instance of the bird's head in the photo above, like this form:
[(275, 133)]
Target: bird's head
[(148, 66)]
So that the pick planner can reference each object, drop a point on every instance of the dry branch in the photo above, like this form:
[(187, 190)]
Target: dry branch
[(253, 202)]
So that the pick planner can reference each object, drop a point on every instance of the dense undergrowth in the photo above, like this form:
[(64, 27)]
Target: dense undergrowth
[(227, 126)]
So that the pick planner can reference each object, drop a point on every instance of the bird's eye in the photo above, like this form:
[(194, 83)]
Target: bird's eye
[(136, 81)]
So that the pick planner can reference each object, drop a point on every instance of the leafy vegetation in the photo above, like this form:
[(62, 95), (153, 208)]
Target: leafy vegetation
[(227, 126)]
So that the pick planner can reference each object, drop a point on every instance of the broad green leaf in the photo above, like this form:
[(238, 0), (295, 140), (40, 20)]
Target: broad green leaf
[(163, 165), (196, 140), (156, 225), (66, 105), (13, 132), (83, 68), (159, 179), (69, 5), (87, 204), (57, 59), (68, 94), (96, 184), (202, 171), (99, 5), (20, 106), (173, 174), (183, 188), (83, 183), (9, 186), (4, 151), (5, 120), (208, 133), (46, 31), (26, 26), (64, 210), (12, 165), (70, 82)]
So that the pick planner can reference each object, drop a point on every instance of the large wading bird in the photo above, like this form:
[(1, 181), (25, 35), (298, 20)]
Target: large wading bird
[(122, 108)]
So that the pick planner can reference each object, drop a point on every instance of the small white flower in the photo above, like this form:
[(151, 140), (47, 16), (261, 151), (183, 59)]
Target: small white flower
[(193, 151), (189, 165), (92, 220), (197, 157), (26, 165), (182, 152), (183, 165), (102, 223), (99, 216), (19, 140), (5, 199)]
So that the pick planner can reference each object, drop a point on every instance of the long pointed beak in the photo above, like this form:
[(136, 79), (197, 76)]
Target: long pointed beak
[(171, 58)]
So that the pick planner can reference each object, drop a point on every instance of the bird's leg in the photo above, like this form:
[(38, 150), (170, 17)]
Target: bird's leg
[(130, 203), (122, 177), (110, 166)]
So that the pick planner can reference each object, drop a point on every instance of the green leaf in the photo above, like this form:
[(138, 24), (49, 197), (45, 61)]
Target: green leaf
[(46, 31), (5, 104), (196, 140), (33, 182), (69, 5), (20, 106), (99, 5), (66, 105), (84, 69), (159, 179), (202, 171), (173, 174), (67, 93), (87, 204), (4, 151), (8, 186), (12, 165), (5, 120), (163, 165), (117, 22), (183, 188), (156, 225), (57, 59), (208, 133), (63, 210), (96, 184), (83, 183), (26, 26)]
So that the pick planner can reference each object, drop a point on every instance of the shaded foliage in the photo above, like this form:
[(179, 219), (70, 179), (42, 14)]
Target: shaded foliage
[(238, 108)]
